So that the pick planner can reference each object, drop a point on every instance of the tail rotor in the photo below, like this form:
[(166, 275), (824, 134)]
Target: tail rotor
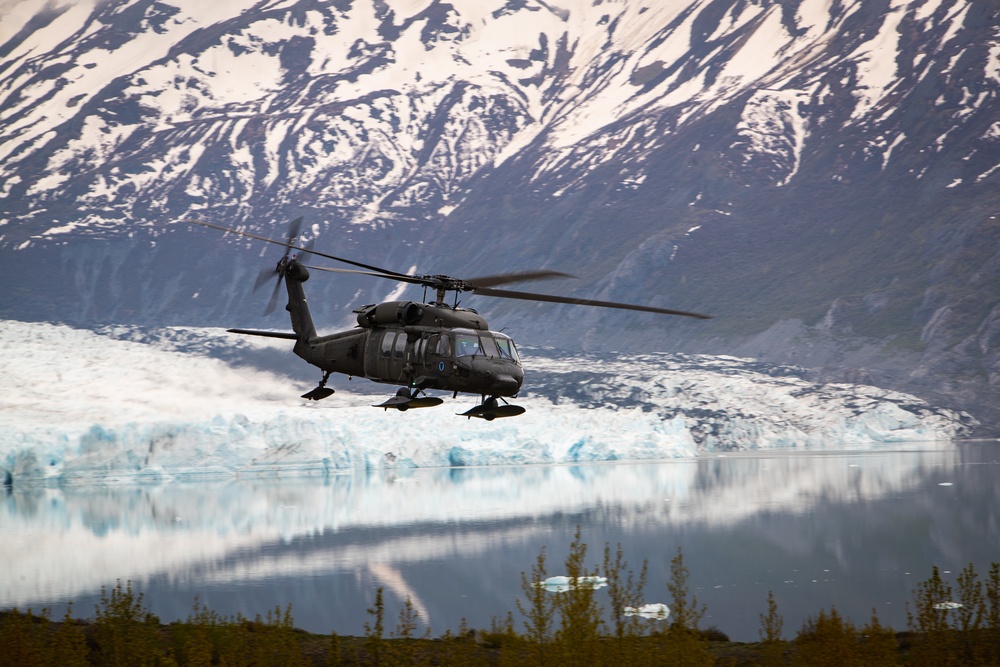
[(281, 268)]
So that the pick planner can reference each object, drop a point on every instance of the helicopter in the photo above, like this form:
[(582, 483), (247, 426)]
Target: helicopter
[(415, 345)]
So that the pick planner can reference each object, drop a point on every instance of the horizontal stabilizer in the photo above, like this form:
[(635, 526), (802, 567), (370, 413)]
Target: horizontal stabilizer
[(268, 334)]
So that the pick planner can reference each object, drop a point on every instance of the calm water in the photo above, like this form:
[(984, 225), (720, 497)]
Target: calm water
[(853, 529)]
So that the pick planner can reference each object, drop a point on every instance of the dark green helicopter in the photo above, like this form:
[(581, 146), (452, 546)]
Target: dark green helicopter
[(419, 346)]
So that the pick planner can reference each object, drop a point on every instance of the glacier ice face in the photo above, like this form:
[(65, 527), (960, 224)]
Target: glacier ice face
[(83, 406)]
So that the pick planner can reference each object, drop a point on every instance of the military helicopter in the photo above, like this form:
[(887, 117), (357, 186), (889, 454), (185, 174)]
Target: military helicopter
[(419, 346)]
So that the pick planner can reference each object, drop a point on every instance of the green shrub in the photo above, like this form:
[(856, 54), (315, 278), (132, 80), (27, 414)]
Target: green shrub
[(684, 644), (22, 638), (374, 632), (625, 589), (773, 645), (69, 645), (538, 611), (828, 640), (878, 644), (126, 634), (560, 628), (580, 623)]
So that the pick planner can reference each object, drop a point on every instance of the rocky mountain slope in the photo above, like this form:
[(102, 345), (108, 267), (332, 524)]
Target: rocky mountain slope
[(820, 176)]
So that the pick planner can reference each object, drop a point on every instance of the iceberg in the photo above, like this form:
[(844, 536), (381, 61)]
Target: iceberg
[(125, 404), (948, 606), (654, 610), (561, 583)]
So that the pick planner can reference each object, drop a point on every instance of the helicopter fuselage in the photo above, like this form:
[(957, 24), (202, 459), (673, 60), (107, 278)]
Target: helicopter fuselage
[(425, 346), (417, 346)]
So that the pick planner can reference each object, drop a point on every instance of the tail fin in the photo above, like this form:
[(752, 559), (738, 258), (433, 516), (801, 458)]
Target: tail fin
[(298, 307)]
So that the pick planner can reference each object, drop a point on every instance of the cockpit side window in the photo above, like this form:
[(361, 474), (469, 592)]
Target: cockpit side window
[(467, 345), (440, 345)]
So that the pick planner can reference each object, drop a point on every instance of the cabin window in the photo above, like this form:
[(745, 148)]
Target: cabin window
[(399, 351), (467, 345), (506, 347), (387, 339)]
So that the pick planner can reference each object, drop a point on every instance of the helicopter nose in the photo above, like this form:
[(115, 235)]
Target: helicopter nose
[(506, 385)]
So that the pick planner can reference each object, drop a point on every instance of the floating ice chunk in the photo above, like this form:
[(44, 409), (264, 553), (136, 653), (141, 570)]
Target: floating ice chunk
[(948, 605), (562, 583), (946, 484), (655, 610)]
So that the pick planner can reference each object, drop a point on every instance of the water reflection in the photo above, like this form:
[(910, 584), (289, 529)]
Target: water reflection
[(853, 529)]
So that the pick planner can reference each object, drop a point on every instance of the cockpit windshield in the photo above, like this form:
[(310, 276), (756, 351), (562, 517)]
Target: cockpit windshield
[(486, 343), (489, 347), (467, 345)]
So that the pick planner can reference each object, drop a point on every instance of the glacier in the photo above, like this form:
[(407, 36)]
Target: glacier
[(125, 405)]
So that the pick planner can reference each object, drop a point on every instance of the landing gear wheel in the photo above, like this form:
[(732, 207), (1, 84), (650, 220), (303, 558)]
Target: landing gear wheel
[(320, 392), (490, 409), (406, 399), (403, 392)]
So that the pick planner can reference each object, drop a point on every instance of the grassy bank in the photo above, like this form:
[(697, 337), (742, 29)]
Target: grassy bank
[(947, 625)]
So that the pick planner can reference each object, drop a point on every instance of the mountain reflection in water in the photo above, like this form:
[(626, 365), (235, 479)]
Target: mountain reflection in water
[(853, 529)]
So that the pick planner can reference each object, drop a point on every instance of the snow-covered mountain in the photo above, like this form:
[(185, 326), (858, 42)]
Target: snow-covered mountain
[(820, 176), (154, 405)]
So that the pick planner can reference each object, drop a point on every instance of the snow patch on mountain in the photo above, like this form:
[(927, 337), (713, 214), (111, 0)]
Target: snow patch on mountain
[(773, 129), (876, 64)]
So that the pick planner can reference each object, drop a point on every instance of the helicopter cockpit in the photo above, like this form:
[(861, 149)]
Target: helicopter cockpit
[(490, 344)]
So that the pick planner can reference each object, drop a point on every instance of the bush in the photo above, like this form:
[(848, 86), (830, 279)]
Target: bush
[(559, 628)]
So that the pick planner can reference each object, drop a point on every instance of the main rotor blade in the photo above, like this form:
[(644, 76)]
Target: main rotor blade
[(400, 276), (520, 276), (415, 280), (464, 285), (550, 298)]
